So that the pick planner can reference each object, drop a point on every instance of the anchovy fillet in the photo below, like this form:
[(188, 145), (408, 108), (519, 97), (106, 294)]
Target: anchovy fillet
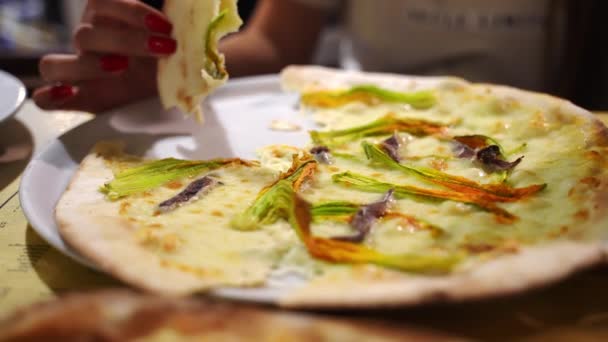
[(321, 154), (391, 147), (194, 190), (491, 159), (365, 217)]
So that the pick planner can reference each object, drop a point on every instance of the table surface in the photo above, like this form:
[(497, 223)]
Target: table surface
[(31, 270)]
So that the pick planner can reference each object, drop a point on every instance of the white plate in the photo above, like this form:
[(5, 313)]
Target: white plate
[(237, 120), (12, 95)]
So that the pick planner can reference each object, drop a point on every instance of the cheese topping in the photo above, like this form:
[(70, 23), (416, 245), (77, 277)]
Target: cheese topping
[(196, 237), (446, 206)]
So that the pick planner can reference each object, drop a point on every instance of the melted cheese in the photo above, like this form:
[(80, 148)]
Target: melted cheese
[(197, 238), (550, 143)]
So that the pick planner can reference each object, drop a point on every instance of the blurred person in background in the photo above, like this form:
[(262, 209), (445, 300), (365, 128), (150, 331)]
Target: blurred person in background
[(555, 46)]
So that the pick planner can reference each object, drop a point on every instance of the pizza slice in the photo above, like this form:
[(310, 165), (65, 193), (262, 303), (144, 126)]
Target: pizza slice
[(197, 67)]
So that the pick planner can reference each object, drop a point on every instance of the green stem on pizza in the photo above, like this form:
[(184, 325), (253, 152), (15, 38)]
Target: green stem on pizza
[(266, 208), (340, 210), (280, 201), (369, 95), (363, 183), (153, 174), (486, 192), (337, 251), (347, 156), (387, 124)]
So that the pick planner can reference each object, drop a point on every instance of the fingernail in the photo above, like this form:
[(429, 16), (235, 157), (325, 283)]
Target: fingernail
[(161, 45), (156, 23), (114, 63), (62, 92)]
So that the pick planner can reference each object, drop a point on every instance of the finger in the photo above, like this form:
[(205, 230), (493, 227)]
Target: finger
[(95, 96), (132, 12), (72, 68), (109, 22), (58, 97), (54, 96), (121, 41)]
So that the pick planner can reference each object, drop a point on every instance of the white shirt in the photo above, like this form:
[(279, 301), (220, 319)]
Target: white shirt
[(499, 41)]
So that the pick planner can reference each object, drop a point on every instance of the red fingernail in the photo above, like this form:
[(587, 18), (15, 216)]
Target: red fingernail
[(114, 63), (62, 92), (161, 45), (156, 23)]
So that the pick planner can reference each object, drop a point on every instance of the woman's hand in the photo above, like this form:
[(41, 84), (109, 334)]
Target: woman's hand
[(117, 44)]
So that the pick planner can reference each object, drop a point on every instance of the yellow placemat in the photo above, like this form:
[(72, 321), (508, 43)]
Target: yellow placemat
[(30, 269)]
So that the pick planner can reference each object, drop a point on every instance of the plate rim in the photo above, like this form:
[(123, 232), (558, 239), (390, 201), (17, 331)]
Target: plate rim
[(21, 95)]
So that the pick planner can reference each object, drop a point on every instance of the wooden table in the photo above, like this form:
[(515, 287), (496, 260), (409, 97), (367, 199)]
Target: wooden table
[(30, 270)]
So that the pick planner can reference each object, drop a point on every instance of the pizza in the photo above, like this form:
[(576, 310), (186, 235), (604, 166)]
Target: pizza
[(411, 190), (118, 315), (197, 67)]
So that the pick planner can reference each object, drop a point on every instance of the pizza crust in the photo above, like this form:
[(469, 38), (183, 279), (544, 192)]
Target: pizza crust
[(311, 78), (89, 223), (119, 315), (373, 287)]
